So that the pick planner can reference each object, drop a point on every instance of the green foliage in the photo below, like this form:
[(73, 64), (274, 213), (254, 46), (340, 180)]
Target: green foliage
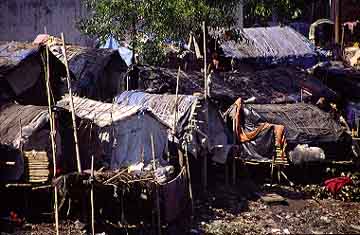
[(159, 19), (260, 11)]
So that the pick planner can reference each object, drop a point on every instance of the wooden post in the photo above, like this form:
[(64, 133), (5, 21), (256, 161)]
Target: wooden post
[(204, 167), (71, 105), (205, 62), (181, 156), (156, 184), (342, 40), (92, 196), (176, 101), (234, 160), (52, 136), (189, 179), (337, 21)]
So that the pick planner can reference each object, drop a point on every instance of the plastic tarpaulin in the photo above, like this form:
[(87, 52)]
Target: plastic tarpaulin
[(304, 124), (124, 131), (163, 106), (125, 53), (211, 135)]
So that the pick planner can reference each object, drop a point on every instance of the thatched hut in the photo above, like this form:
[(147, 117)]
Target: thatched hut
[(25, 143)]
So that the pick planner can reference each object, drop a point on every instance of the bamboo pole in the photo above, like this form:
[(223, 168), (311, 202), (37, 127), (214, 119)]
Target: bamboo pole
[(92, 196), (176, 100), (234, 160), (156, 184), (189, 179), (204, 167), (337, 21), (205, 62), (181, 156), (52, 136), (71, 104)]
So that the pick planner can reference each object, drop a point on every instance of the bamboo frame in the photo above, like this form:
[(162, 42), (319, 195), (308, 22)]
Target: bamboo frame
[(71, 104), (92, 196), (52, 136), (156, 185), (204, 163)]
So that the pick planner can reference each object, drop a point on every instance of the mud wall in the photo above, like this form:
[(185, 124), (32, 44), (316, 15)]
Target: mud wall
[(22, 20)]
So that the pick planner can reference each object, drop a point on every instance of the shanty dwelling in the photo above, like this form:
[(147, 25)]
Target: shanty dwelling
[(283, 134), (345, 81), (189, 117), (22, 74), (273, 85), (129, 146), (26, 148), (99, 73), (265, 46)]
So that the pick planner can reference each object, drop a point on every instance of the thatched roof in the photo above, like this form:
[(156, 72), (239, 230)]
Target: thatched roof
[(102, 114), (162, 106), (269, 45), (18, 122), (276, 85)]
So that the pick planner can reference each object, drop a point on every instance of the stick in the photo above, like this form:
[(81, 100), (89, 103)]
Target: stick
[(176, 100), (115, 176), (21, 146), (176, 114), (92, 197), (52, 135), (342, 41), (234, 160), (71, 105), (156, 185), (207, 111), (205, 62), (189, 179)]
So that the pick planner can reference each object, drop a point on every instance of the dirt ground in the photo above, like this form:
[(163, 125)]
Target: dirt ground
[(233, 210), (232, 213), (239, 209)]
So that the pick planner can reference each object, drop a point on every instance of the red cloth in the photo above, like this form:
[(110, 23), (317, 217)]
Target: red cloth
[(334, 185)]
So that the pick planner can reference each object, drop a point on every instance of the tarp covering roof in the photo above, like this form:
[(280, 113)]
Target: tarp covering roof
[(276, 85), (271, 45), (124, 131), (22, 76), (98, 72), (304, 124), (344, 80), (163, 106), (12, 56), (12, 53), (191, 114), (86, 60), (102, 114), (18, 123)]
